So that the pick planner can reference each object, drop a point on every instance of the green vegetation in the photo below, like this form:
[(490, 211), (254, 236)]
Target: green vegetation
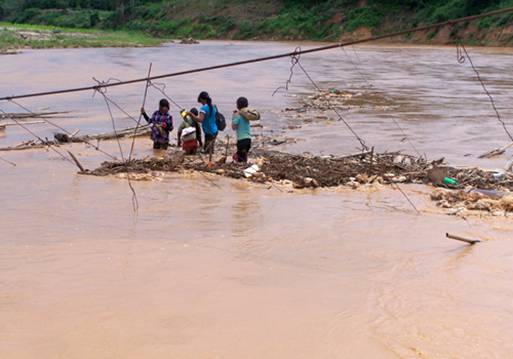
[(257, 19), (15, 36)]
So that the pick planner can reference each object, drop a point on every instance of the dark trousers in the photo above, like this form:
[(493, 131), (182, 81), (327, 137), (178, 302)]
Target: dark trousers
[(160, 146), (243, 147), (210, 141)]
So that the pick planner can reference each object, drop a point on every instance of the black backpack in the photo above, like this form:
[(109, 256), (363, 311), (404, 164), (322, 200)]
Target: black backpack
[(220, 120)]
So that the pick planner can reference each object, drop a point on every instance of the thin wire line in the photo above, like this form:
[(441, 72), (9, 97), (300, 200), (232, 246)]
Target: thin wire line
[(406, 196), (135, 201), (294, 61), (140, 116), (162, 90), (461, 60), (406, 136), (8, 162), (355, 65), (113, 124), (334, 109)]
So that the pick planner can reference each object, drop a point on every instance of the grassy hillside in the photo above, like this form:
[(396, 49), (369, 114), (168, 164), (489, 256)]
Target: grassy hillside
[(269, 19)]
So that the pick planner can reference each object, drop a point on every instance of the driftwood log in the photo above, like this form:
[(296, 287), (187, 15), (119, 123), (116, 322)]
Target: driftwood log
[(61, 138)]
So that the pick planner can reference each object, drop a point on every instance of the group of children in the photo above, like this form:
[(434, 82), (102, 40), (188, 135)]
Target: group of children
[(206, 120)]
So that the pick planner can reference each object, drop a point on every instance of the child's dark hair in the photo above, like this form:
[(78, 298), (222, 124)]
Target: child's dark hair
[(242, 102), (164, 103), (204, 96), (194, 111)]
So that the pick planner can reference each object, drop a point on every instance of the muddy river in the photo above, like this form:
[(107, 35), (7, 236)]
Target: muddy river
[(229, 269)]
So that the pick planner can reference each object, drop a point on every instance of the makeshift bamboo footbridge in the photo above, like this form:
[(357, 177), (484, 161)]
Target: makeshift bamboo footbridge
[(101, 87)]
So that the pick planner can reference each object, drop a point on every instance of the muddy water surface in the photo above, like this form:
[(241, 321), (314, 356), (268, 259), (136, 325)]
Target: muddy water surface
[(223, 269)]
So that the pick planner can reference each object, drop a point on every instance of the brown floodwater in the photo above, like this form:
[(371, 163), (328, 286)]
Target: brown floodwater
[(225, 269)]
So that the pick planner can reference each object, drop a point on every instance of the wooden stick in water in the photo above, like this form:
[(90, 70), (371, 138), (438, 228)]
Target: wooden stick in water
[(462, 239), (79, 165)]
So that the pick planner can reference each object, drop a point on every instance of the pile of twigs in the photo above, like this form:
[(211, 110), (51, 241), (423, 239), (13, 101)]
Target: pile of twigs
[(303, 171), (331, 171), (316, 171), (479, 178)]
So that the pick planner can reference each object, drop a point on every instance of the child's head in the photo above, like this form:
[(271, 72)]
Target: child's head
[(204, 98), (242, 102), (164, 106), (194, 111)]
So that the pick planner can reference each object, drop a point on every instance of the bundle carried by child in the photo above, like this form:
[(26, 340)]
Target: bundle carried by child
[(189, 133), (250, 114)]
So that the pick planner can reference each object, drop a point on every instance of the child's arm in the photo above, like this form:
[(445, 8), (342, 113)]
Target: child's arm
[(200, 118), (145, 115)]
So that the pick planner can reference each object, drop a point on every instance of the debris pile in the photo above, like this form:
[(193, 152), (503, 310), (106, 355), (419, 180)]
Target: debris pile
[(352, 170), (496, 204), (483, 190), (301, 170), (479, 178)]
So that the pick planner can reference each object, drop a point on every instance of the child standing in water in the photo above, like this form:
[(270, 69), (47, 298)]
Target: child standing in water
[(241, 124), (207, 118), (162, 125)]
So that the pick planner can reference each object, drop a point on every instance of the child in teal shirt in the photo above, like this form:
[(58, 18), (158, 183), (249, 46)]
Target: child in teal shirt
[(240, 124)]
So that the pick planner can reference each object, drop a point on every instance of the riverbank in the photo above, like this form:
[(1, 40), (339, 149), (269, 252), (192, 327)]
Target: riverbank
[(330, 20), (21, 36)]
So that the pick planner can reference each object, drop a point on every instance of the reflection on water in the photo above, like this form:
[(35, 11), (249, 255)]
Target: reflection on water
[(223, 269)]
